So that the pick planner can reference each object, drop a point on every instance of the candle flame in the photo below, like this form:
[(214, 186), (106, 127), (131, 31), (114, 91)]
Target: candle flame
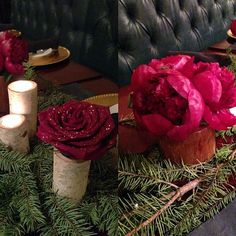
[(22, 85), (12, 121)]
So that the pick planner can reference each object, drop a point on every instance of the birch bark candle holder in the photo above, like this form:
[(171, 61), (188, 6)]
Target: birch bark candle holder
[(70, 176), (13, 132), (23, 100)]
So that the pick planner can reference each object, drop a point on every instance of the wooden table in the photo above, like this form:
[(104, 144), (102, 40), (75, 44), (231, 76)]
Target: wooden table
[(70, 72), (221, 47)]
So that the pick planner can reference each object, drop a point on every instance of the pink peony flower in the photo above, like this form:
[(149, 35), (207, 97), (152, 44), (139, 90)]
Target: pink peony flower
[(14, 69), (171, 96), (217, 88), (165, 102), (5, 35), (15, 52)]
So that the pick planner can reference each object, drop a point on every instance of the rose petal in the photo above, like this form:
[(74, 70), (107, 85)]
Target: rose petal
[(78, 129)]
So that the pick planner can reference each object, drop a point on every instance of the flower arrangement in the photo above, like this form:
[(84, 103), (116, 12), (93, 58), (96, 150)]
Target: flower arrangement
[(79, 130), (13, 52), (176, 97)]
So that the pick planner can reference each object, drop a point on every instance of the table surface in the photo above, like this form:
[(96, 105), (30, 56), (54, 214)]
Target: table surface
[(73, 73)]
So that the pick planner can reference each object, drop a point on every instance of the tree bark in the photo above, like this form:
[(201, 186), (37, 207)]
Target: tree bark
[(70, 176), (13, 133)]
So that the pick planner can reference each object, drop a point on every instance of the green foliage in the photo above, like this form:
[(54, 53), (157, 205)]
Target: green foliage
[(232, 57), (148, 183), (29, 207), (30, 73)]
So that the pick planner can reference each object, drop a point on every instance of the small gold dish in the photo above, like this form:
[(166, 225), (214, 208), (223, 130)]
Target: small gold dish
[(57, 56), (107, 100)]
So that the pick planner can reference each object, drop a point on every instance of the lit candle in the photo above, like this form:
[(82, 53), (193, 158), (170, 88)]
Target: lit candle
[(23, 100), (13, 132)]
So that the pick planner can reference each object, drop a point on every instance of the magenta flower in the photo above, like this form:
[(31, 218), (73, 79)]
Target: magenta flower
[(173, 95), (218, 90)]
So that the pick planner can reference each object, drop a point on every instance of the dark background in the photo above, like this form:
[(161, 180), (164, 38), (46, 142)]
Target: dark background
[(5, 11)]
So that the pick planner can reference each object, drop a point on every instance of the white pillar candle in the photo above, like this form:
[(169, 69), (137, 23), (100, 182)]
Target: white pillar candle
[(13, 132), (23, 100)]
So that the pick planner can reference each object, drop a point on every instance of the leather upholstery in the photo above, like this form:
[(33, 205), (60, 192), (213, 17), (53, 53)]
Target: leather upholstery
[(147, 28), (150, 28), (5, 11), (86, 27)]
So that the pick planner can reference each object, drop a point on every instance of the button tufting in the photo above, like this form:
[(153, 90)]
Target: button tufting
[(147, 28)]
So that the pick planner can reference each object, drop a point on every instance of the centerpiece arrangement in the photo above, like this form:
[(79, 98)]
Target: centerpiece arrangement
[(182, 103), (80, 132)]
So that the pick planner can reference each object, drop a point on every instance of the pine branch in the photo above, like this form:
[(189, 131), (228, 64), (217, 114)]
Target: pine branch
[(64, 218), (178, 194), (213, 173), (156, 180), (13, 161), (30, 73)]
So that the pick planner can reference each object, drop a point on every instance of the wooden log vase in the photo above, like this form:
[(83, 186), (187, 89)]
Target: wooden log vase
[(13, 132), (198, 148), (70, 176), (23, 100), (4, 102)]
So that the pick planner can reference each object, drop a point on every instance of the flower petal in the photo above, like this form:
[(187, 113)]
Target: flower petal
[(221, 120), (156, 124), (209, 86), (193, 117), (141, 76)]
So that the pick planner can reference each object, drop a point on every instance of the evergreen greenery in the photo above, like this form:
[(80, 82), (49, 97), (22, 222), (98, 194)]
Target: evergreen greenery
[(29, 207), (148, 184)]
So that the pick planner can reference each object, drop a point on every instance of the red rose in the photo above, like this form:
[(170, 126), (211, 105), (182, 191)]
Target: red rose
[(217, 88), (78, 129), (165, 101)]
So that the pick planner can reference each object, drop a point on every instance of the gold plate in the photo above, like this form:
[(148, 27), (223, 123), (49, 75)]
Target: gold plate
[(15, 32), (61, 55), (107, 100), (230, 34)]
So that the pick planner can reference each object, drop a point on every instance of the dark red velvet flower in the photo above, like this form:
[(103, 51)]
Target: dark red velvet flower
[(171, 96), (78, 129)]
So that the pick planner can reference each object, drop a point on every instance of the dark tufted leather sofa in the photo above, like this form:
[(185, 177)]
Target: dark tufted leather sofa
[(150, 28), (146, 28), (86, 27)]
